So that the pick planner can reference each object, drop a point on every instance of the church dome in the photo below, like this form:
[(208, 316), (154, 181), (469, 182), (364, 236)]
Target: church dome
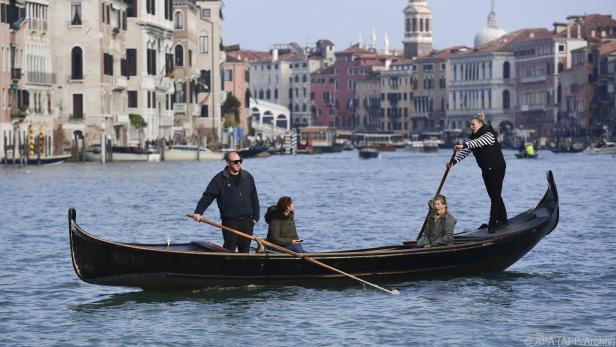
[(491, 32), (488, 34)]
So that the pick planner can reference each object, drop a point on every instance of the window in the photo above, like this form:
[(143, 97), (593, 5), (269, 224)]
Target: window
[(179, 55), (168, 63), (179, 20), (76, 13), (168, 10), (132, 99), (561, 48), (108, 64), (205, 13), (204, 111), (228, 75), (506, 70), (131, 9), (78, 106), (203, 44), (151, 56), (506, 100), (76, 64), (190, 57), (131, 62), (150, 6)]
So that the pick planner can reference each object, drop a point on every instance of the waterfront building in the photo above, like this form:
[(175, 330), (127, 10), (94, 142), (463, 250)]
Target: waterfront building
[(414, 93), (417, 29), (604, 113), (89, 46), (284, 77), (149, 49), (195, 65), (38, 68), (483, 80), (236, 79), (538, 62), (368, 95), (209, 58), (13, 106), (333, 88)]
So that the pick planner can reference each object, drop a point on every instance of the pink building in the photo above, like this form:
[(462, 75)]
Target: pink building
[(333, 89)]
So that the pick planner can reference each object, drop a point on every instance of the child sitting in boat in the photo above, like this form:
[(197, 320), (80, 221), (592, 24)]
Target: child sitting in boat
[(440, 225), (281, 230)]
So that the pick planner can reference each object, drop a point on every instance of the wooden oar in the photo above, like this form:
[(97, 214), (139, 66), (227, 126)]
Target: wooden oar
[(295, 254), (437, 193)]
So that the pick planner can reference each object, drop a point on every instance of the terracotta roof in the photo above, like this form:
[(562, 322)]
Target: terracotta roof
[(330, 70), (607, 47), (505, 42), (247, 55), (588, 23)]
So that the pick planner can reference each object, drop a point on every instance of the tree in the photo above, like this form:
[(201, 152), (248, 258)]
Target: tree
[(232, 106), (138, 123)]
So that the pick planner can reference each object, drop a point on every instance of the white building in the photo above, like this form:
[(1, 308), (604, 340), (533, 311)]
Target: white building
[(148, 47), (89, 50)]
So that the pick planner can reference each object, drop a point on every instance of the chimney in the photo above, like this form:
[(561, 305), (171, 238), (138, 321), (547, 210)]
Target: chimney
[(531, 35), (592, 33), (603, 34), (579, 31), (275, 54), (559, 27), (568, 31)]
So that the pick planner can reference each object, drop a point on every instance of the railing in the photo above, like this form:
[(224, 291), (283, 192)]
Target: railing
[(119, 82), (179, 108), (38, 24), (532, 79), (41, 77)]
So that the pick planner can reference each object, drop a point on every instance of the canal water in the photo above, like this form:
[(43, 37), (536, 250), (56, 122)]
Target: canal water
[(563, 289)]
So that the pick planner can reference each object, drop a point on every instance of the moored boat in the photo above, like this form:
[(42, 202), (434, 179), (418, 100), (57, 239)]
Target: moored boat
[(196, 265), (602, 148), (35, 160), (189, 152)]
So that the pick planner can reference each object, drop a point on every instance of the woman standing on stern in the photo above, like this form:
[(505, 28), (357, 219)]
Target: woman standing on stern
[(483, 143)]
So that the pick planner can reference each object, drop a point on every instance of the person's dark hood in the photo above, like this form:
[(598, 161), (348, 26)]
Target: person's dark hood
[(273, 213)]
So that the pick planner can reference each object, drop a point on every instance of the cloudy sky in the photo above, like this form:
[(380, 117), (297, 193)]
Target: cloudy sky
[(256, 24)]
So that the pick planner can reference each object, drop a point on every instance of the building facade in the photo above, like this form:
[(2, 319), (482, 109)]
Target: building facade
[(89, 95)]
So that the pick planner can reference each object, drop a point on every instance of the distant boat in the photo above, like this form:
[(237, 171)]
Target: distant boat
[(34, 160), (190, 152), (368, 153), (122, 153), (602, 148), (525, 155), (253, 151)]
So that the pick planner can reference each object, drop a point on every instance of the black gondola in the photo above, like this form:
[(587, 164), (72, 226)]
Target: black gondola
[(525, 155), (198, 265)]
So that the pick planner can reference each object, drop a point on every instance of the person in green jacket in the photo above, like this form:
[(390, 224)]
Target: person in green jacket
[(439, 229), (281, 230)]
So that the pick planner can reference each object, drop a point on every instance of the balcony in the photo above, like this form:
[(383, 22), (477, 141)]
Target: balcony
[(41, 78), (15, 74), (37, 24), (196, 110), (119, 82), (179, 108), (166, 119), (533, 79)]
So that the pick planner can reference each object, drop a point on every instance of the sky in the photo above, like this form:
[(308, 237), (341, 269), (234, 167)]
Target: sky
[(257, 24)]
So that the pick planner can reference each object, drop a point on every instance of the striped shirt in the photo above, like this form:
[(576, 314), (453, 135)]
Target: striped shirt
[(486, 139)]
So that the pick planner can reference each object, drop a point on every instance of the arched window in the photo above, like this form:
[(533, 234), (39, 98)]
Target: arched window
[(76, 63), (268, 94), (179, 20), (179, 54), (304, 108), (180, 96), (506, 70), (506, 100), (261, 94)]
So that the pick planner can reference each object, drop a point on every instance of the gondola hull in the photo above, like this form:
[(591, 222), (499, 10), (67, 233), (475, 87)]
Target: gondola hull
[(190, 266)]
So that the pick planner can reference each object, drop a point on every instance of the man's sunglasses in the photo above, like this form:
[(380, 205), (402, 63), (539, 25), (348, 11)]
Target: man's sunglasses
[(239, 161)]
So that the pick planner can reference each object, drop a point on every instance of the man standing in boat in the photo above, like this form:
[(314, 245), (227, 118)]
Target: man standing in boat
[(483, 143), (236, 195)]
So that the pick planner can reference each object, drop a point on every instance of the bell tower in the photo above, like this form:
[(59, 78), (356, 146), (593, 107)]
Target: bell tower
[(417, 29)]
